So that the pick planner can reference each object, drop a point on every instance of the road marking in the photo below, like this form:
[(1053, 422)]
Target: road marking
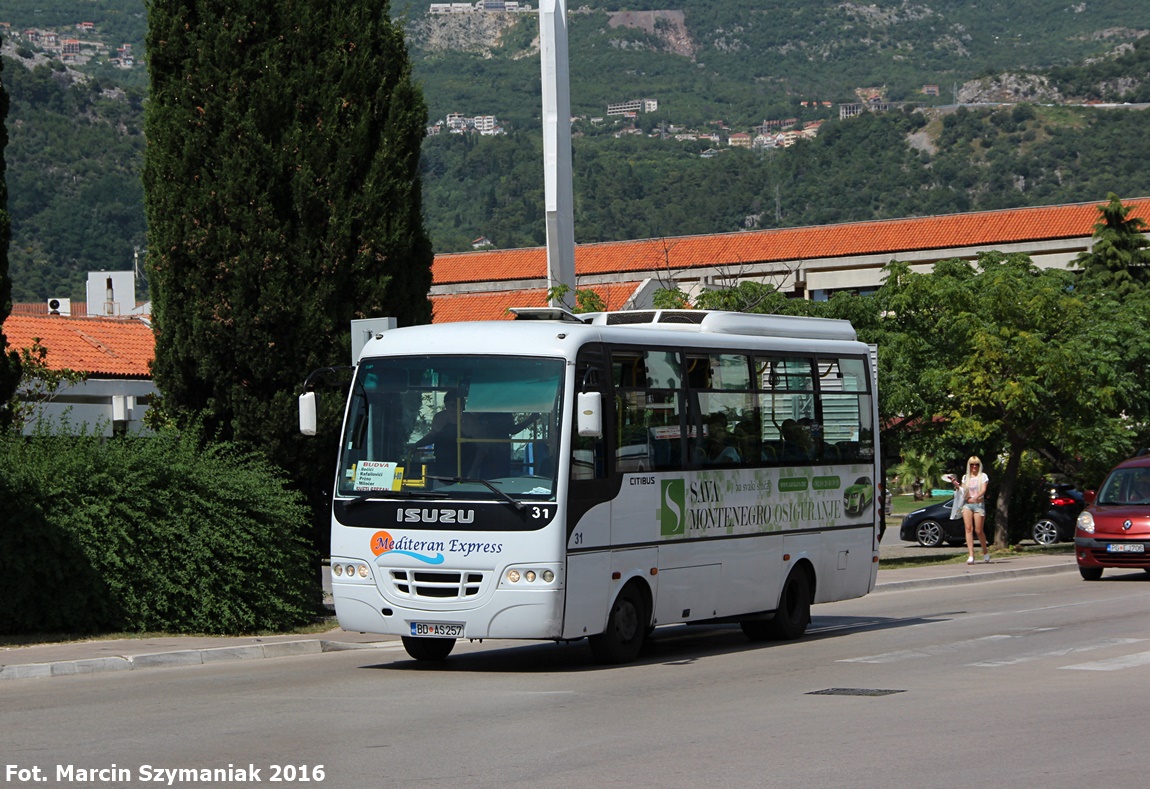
[(928, 651), (1025, 658), (1114, 664)]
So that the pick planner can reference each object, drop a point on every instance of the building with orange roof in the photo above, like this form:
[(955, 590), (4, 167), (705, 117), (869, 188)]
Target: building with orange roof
[(114, 352), (804, 262)]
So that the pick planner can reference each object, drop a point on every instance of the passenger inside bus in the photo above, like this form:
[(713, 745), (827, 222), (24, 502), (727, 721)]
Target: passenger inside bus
[(443, 438), (798, 444), (716, 446), (748, 435)]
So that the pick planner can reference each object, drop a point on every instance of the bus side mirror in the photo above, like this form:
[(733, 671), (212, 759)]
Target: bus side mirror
[(307, 413), (590, 418)]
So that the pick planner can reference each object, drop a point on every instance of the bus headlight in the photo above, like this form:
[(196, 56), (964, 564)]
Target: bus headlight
[(538, 576), (350, 570)]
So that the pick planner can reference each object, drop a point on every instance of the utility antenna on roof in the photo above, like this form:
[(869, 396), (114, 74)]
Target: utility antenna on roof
[(558, 199)]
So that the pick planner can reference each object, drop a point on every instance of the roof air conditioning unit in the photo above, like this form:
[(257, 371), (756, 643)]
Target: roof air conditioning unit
[(57, 306)]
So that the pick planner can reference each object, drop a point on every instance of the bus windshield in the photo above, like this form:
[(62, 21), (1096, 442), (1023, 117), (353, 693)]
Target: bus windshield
[(453, 427)]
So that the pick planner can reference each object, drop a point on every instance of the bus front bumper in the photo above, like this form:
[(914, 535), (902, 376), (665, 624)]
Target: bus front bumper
[(519, 614)]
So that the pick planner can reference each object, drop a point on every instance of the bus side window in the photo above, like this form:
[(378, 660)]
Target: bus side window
[(589, 453), (722, 410), (648, 409), (846, 410)]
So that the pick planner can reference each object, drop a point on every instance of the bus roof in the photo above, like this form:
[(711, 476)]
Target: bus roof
[(554, 331)]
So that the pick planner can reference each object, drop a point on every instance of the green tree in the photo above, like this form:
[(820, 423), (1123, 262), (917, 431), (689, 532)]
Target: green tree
[(919, 470), (9, 360), (1010, 358), (1119, 261), (40, 386), (283, 200)]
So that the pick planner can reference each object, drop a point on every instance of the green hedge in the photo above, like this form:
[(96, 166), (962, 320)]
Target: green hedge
[(158, 533)]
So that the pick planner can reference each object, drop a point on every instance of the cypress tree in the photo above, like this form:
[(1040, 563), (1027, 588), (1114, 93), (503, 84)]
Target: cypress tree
[(283, 200), (9, 360), (1119, 261)]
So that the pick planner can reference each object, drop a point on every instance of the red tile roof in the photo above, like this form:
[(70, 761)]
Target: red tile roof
[(78, 309), (449, 308), (120, 347), (891, 237)]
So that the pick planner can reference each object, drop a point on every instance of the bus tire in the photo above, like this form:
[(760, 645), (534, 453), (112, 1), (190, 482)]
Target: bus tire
[(626, 629), (755, 629), (428, 648), (794, 612)]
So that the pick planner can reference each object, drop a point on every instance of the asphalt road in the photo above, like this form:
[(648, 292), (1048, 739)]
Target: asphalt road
[(1028, 682)]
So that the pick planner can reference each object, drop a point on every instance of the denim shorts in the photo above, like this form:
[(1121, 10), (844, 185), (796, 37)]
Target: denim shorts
[(976, 507)]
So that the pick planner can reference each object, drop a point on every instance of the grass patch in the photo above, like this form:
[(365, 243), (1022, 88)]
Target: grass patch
[(1032, 549), (959, 556), (929, 560)]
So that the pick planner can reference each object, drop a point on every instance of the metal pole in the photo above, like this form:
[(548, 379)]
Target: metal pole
[(558, 199)]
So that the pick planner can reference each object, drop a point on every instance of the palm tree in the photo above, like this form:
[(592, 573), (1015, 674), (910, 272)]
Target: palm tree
[(924, 471)]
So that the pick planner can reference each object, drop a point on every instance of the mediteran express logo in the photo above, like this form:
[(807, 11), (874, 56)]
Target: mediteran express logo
[(672, 507), (382, 542)]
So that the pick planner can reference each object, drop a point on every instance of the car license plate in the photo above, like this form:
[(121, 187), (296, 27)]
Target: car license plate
[(1125, 547), (437, 629)]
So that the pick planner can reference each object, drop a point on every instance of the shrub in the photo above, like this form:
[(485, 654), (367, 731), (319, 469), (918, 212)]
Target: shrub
[(150, 533)]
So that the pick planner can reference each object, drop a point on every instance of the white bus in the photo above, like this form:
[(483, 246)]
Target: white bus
[(564, 477)]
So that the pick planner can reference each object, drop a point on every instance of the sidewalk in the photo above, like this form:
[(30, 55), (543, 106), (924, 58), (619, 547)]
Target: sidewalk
[(129, 654)]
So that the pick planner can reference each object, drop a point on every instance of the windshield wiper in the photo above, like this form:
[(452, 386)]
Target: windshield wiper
[(391, 494), (514, 502)]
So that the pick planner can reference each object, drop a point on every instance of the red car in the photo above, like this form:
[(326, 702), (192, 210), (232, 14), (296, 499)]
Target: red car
[(1114, 530)]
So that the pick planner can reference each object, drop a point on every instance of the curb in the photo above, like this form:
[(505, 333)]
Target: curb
[(973, 578), (184, 657)]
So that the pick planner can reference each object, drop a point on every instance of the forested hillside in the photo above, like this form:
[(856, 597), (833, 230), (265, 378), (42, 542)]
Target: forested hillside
[(74, 193), (878, 165), (75, 136), (753, 59)]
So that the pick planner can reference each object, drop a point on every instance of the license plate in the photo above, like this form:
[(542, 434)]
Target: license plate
[(437, 629), (1125, 547)]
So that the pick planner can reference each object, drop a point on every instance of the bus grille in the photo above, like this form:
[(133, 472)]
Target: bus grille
[(436, 585)]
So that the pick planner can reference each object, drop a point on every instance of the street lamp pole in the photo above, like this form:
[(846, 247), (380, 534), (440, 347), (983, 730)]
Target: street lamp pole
[(558, 194)]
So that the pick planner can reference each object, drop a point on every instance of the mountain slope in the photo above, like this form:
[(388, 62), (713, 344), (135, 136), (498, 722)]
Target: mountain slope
[(75, 144)]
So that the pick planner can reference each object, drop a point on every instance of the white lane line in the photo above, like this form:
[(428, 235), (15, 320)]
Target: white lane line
[(927, 651), (1114, 664), (1027, 657)]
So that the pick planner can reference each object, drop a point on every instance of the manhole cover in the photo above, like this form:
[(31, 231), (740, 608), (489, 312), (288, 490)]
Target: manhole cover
[(854, 692)]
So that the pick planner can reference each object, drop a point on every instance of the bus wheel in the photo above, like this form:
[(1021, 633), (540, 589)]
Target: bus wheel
[(626, 629), (428, 648), (794, 612), (755, 629)]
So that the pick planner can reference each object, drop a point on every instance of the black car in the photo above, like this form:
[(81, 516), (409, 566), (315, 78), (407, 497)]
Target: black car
[(932, 526), (1057, 523)]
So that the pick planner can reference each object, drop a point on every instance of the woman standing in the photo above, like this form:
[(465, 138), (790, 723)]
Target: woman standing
[(972, 487)]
